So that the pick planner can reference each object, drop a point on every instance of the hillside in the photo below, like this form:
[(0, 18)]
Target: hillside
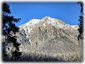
[(49, 39)]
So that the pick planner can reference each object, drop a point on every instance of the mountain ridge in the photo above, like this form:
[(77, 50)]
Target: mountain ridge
[(43, 19), (49, 20)]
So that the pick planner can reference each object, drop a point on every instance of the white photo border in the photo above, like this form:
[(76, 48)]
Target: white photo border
[(1, 1)]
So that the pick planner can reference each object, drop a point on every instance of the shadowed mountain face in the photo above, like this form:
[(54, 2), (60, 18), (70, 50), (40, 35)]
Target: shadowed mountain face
[(49, 37)]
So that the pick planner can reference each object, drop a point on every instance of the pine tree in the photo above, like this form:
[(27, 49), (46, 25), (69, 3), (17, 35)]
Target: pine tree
[(9, 30), (81, 22)]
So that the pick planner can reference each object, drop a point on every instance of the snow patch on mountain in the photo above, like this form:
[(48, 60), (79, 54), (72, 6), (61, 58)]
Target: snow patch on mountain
[(52, 21), (33, 22)]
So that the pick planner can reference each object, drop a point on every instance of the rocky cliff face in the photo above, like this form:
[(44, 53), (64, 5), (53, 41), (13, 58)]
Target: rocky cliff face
[(50, 37)]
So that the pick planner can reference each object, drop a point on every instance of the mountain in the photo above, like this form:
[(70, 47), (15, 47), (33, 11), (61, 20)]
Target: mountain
[(50, 38)]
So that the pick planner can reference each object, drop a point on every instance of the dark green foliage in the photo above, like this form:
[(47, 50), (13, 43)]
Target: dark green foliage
[(9, 29), (5, 8), (81, 22)]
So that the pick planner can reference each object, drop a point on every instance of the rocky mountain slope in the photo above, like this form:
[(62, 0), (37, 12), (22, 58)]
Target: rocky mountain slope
[(50, 37)]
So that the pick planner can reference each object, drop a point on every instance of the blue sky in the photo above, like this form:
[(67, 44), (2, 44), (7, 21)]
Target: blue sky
[(68, 12)]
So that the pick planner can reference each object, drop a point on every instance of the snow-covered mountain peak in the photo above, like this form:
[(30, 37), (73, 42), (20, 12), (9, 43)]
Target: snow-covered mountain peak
[(33, 21), (48, 20), (47, 17)]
